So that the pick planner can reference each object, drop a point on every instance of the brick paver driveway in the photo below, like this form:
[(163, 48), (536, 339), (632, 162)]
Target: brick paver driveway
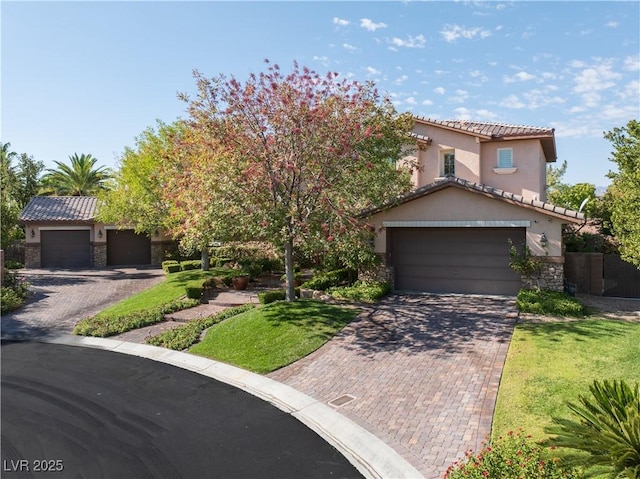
[(58, 299), (424, 371)]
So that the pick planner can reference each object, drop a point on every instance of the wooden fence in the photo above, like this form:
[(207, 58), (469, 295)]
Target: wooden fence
[(602, 275)]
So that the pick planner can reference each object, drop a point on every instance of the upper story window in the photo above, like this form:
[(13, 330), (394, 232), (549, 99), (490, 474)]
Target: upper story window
[(505, 161), (448, 163)]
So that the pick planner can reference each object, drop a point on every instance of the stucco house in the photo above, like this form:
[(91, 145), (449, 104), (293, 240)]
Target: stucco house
[(478, 186), (62, 232)]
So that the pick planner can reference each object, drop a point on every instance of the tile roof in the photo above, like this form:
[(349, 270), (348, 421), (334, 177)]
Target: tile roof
[(541, 206), (491, 130), (60, 208), (499, 131)]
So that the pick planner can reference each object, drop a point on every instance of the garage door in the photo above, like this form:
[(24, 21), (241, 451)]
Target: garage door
[(65, 249), (455, 260), (125, 247)]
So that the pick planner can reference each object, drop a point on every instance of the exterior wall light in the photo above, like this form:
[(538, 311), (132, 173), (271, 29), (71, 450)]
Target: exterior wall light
[(33, 233), (544, 242), (156, 233), (99, 233)]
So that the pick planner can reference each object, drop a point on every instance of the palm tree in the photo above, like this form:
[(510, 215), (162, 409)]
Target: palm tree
[(78, 179)]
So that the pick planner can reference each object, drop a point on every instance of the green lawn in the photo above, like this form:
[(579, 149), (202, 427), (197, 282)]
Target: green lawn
[(173, 287), (272, 336), (551, 363)]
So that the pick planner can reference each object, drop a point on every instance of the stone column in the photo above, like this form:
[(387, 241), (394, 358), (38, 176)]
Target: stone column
[(32, 256), (99, 255)]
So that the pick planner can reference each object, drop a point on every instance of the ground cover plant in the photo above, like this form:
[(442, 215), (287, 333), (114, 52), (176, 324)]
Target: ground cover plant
[(365, 291), (272, 336), (110, 325), (182, 337), (13, 292), (546, 302), (512, 456), (552, 363)]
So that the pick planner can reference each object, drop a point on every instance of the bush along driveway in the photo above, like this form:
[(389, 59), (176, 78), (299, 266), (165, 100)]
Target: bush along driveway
[(420, 372)]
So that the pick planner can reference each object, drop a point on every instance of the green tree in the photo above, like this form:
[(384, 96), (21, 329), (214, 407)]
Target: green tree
[(624, 191), (309, 152), (135, 193), (18, 184), (79, 178), (574, 196)]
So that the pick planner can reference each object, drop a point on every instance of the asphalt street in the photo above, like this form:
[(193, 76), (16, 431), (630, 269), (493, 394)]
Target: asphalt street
[(88, 413)]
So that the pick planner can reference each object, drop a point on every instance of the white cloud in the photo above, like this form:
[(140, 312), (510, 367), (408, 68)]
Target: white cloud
[(427, 102), (439, 90), (460, 96), (340, 22), (630, 93), (632, 63), (537, 99), (411, 101), (512, 101), (372, 71), (483, 114), (577, 64), (418, 41), (462, 113), (324, 60), (520, 76), (349, 47), (611, 24), (452, 32), (371, 26), (595, 78), (401, 79)]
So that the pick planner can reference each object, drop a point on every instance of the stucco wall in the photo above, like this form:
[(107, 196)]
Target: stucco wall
[(528, 158), (455, 204)]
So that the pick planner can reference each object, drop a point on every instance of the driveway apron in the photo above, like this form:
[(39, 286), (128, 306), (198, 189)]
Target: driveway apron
[(58, 299), (421, 372)]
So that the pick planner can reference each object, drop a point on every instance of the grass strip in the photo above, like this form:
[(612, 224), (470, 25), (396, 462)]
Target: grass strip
[(272, 336), (183, 337)]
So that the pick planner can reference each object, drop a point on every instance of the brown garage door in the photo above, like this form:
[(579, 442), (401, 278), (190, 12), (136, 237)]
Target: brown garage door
[(125, 247), (455, 260), (65, 249)]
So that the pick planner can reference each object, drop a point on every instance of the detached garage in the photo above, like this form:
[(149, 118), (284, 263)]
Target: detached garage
[(61, 232), (452, 236)]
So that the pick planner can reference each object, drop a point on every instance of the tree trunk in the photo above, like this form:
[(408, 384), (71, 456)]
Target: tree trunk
[(204, 256), (288, 268)]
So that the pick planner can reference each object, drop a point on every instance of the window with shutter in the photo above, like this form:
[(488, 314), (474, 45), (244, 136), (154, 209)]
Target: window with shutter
[(505, 158)]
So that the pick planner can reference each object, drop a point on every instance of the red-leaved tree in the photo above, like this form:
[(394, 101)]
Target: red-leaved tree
[(306, 154)]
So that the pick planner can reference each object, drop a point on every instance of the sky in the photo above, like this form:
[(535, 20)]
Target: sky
[(89, 77)]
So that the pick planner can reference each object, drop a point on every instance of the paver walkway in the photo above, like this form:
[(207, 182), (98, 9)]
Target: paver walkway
[(60, 298), (423, 371)]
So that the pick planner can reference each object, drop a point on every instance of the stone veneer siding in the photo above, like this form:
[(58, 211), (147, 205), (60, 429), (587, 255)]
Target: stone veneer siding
[(159, 251), (32, 256), (99, 255), (551, 277), (382, 273)]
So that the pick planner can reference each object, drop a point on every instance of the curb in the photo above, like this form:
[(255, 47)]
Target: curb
[(369, 455)]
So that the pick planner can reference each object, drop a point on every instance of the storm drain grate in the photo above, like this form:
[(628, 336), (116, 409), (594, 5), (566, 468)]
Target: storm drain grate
[(341, 400)]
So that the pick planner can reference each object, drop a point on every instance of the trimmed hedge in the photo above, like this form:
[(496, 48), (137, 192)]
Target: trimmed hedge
[(173, 268), (183, 337), (275, 295), (103, 326), (191, 264), (194, 290)]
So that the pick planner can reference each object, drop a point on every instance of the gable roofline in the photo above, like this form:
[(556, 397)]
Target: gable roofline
[(488, 131), (493, 193), (52, 209)]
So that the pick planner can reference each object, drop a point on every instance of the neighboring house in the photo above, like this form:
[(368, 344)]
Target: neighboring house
[(478, 186), (61, 232)]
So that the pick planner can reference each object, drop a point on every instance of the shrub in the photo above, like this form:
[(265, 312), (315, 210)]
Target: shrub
[(194, 290), (554, 303), (191, 264), (273, 295), (103, 326), (513, 456), (182, 337), (13, 264), (10, 300), (367, 291), (169, 262), (173, 268), (329, 279), (607, 426)]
